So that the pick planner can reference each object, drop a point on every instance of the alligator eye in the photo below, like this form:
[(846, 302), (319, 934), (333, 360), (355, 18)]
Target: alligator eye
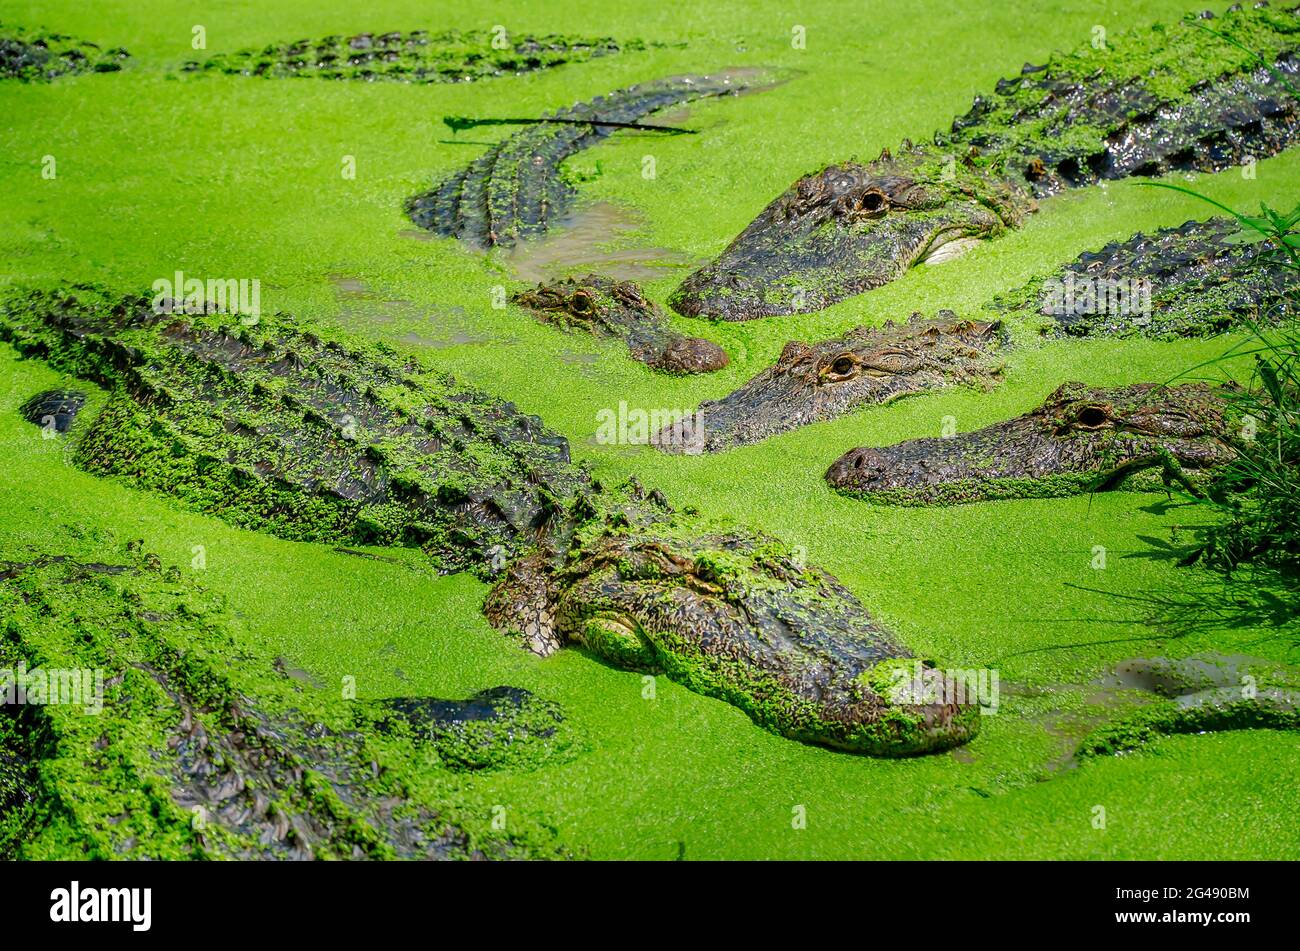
[(872, 202), (1093, 417), (841, 368), (581, 303)]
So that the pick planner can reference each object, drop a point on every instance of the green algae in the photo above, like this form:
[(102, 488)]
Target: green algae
[(1004, 582), (503, 728)]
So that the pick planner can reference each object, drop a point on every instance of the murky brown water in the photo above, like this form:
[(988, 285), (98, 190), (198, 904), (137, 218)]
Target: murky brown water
[(587, 240)]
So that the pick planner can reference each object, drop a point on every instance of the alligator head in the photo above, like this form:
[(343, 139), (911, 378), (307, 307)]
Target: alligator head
[(607, 308), (811, 383), (737, 616), (1080, 439), (847, 229)]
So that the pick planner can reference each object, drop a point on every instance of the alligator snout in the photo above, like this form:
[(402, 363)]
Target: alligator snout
[(856, 467), (691, 355)]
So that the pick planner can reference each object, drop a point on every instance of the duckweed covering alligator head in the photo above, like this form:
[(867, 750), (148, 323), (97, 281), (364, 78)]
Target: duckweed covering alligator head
[(1079, 439), (278, 427), (1149, 101)]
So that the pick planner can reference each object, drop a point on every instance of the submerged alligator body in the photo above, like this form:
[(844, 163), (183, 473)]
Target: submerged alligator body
[(414, 57), (516, 190), (607, 308), (1197, 279), (822, 381), (36, 57), (1199, 694), (1168, 98), (276, 427), (497, 727), (1080, 439), (53, 410), (180, 741)]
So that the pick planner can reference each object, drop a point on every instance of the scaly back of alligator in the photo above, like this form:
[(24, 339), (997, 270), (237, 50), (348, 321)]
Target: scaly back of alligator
[(35, 57), (275, 427), (1142, 103), (414, 57), (515, 191), (1194, 280), (1147, 102)]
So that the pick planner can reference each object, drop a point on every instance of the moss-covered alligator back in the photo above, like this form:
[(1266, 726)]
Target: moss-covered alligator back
[(414, 57), (33, 56), (275, 427), (1198, 279), (148, 727)]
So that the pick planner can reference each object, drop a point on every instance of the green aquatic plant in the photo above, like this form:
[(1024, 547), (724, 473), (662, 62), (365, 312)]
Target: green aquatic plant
[(1257, 495)]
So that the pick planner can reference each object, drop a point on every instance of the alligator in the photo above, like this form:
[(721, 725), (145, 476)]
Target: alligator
[(1195, 280), (312, 435), (495, 728), (53, 410), (1199, 694), (415, 57), (822, 381), (607, 308), (1080, 439), (34, 57), (181, 741), (1172, 98), (516, 189), (1198, 279)]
